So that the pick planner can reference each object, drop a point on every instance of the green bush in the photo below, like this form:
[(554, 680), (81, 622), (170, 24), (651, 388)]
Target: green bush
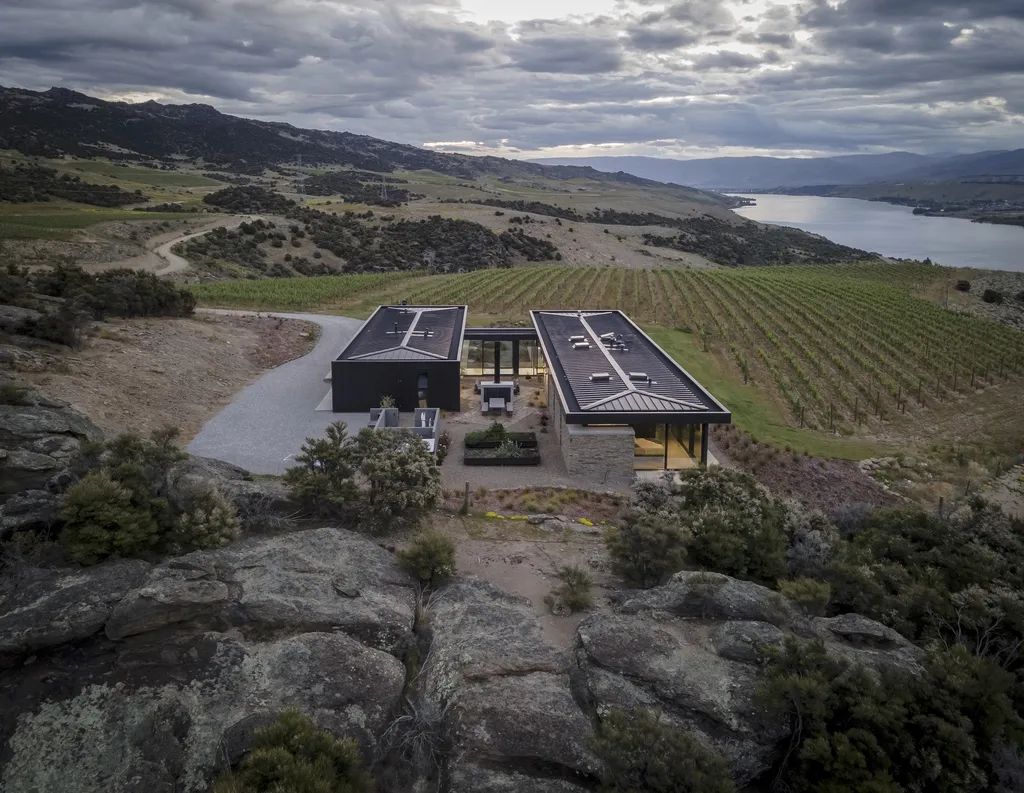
[(101, 519), (401, 479), (641, 754), (855, 729), (293, 756), (992, 296), (430, 558), (324, 479), (808, 593), (121, 507), (210, 522), (385, 479), (574, 589), (646, 548)]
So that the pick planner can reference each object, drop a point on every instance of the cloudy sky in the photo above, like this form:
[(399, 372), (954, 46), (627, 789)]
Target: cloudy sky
[(556, 77)]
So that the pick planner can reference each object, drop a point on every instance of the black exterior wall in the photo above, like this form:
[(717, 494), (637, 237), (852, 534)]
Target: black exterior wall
[(359, 385)]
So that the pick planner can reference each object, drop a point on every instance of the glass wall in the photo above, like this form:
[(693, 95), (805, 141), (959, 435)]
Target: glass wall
[(673, 447), (478, 358)]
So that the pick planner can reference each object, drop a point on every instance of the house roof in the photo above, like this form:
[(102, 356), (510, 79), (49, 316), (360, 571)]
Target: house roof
[(607, 370), (409, 333)]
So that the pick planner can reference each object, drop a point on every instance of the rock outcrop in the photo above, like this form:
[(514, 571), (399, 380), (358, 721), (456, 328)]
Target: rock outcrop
[(39, 443), (691, 650), (147, 677), (150, 678), (510, 714)]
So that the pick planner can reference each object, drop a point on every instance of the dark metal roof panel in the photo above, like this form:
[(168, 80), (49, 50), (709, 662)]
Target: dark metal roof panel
[(409, 333), (618, 348)]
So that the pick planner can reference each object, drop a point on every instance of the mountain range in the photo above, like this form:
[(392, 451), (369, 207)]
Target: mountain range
[(770, 173), (60, 122)]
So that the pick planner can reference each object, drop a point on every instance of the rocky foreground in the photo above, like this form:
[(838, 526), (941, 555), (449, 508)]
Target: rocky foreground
[(137, 677)]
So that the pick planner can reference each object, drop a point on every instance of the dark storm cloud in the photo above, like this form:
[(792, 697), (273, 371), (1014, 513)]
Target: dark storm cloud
[(655, 76)]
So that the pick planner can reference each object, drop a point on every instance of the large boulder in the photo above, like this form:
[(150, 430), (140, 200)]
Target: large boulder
[(39, 444), (41, 609), (158, 713), (506, 693), (317, 580), (255, 500), (693, 649)]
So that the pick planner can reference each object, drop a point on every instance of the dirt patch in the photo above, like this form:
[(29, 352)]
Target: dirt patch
[(814, 482), (141, 374), (524, 560)]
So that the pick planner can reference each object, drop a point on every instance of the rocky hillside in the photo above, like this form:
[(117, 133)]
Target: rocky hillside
[(150, 677)]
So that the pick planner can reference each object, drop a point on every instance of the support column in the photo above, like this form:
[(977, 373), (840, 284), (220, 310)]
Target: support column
[(664, 464), (704, 444), (693, 439), (515, 357)]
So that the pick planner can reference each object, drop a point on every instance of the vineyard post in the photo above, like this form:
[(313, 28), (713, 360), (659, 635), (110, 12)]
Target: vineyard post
[(972, 377), (920, 382), (955, 372), (831, 418), (856, 410)]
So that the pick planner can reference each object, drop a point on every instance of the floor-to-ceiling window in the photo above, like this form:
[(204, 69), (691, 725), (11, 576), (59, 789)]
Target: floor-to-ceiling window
[(673, 447)]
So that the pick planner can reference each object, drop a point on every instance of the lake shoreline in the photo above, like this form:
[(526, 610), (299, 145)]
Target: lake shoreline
[(894, 230)]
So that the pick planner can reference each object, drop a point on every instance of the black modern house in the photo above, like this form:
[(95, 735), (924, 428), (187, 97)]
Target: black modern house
[(409, 353), (618, 402)]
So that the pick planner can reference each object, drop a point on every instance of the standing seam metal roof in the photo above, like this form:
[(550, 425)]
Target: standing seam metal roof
[(617, 348), (409, 333)]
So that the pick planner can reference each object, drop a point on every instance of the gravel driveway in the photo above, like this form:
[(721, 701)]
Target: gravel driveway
[(266, 423)]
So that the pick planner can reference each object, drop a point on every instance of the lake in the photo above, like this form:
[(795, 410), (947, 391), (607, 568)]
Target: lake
[(894, 230)]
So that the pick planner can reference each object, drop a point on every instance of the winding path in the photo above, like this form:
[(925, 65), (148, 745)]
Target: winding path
[(265, 424)]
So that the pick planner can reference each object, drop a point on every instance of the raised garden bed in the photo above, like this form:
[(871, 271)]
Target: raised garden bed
[(526, 456), (485, 440)]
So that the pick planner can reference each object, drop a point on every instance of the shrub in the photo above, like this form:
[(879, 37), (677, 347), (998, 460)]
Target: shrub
[(444, 442), (808, 593), (574, 590), (646, 548), (101, 520), (401, 477), (641, 754), (430, 558), (293, 755), (858, 729), (963, 286), (508, 448), (324, 479), (992, 296), (13, 394), (210, 522)]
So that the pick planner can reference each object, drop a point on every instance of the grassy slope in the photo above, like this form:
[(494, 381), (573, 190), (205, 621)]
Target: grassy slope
[(59, 220), (751, 408)]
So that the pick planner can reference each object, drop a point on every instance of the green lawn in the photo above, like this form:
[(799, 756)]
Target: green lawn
[(137, 176), (752, 409)]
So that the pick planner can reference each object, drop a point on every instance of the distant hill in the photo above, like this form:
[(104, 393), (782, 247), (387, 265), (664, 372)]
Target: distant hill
[(59, 121), (756, 173), (774, 173)]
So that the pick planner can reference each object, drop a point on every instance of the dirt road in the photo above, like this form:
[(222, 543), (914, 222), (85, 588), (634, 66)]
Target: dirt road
[(159, 259)]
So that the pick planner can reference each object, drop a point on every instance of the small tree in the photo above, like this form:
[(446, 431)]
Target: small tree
[(324, 479), (401, 477), (211, 522), (642, 754), (430, 558), (101, 520), (574, 589), (646, 548), (293, 755)]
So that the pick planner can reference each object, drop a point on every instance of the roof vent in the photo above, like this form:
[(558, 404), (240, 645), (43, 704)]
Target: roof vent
[(600, 377), (639, 377), (581, 345), (577, 338), (609, 336)]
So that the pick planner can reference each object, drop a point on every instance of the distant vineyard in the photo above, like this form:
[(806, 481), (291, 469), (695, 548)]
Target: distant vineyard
[(842, 346), (294, 293)]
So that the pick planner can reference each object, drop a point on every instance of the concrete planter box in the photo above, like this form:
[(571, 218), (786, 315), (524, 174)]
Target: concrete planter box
[(482, 457)]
